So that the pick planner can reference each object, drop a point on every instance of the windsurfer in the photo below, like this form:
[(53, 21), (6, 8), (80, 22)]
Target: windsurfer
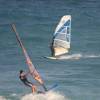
[(52, 48), (23, 78), (32, 69)]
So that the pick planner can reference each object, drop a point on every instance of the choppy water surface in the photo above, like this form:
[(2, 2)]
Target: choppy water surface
[(77, 75)]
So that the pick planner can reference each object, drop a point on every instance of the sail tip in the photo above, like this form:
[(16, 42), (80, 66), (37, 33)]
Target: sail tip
[(67, 17)]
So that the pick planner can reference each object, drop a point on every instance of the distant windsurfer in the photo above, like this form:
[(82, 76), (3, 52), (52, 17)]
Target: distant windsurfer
[(23, 78), (52, 48), (60, 42)]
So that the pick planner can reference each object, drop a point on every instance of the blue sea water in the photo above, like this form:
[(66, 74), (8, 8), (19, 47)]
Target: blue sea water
[(36, 20)]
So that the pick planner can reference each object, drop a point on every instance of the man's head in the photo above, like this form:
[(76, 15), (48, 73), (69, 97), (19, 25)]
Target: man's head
[(21, 71)]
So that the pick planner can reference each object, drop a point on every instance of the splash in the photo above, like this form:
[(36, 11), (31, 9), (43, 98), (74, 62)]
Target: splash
[(13, 94), (78, 56), (47, 96), (73, 56), (2, 98), (91, 56)]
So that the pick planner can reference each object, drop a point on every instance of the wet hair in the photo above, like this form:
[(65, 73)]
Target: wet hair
[(21, 71)]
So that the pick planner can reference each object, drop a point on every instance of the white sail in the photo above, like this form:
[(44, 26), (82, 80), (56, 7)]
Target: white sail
[(62, 36)]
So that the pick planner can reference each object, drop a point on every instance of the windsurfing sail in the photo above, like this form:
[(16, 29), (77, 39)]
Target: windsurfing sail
[(62, 37), (31, 67)]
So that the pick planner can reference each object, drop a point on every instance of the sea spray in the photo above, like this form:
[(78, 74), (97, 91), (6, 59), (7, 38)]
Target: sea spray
[(47, 96), (78, 56)]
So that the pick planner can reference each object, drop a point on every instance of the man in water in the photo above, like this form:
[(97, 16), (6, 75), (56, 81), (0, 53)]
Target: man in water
[(23, 78)]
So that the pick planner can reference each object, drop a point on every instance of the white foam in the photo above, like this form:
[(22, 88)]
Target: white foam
[(91, 56), (79, 56), (2, 98), (13, 94), (47, 96), (73, 56)]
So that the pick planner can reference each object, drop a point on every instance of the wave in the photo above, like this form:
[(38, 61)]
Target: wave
[(48, 96), (2, 98), (13, 94), (79, 56), (91, 56)]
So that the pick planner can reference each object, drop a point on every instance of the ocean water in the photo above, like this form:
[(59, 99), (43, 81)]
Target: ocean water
[(36, 20)]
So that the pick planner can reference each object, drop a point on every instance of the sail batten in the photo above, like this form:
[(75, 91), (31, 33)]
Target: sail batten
[(62, 36)]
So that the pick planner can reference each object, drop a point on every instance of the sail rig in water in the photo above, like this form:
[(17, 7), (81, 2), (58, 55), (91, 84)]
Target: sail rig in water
[(31, 67), (62, 37)]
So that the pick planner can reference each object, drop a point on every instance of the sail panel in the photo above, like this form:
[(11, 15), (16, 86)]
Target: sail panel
[(60, 43), (65, 21), (60, 51)]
